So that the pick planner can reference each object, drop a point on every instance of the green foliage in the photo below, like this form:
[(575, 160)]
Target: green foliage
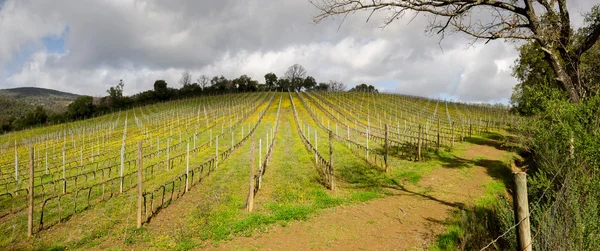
[(116, 94), (245, 83), (538, 86), (284, 84), (309, 83), (364, 88), (160, 90), (322, 87), (566, 186), (81, 108), (220, 83), (38, 116), (270, 80)]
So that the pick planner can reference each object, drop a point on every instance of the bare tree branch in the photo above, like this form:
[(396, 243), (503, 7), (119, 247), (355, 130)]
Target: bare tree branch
[(548, 23)]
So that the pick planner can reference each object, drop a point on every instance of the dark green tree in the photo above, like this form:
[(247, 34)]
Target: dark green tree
[(116, 95), (270, 80), (161, 91), (81, 108), (322, 87), (309, 83), (221, 84), (364, 88), (284, 84), (245, 83)]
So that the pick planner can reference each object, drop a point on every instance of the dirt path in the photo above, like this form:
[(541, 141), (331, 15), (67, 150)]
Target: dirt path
[(410, 218)]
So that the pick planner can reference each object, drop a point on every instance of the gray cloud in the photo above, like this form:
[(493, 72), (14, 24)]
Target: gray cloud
[(140, 41)]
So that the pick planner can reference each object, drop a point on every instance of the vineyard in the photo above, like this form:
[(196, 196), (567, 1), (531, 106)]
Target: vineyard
[(140, 162)]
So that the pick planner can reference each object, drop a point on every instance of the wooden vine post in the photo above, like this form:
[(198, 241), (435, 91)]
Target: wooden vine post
[(387, 149), (521, 208), (419, 144), (217, 152), (250, 203), (470, 129), (331, 177), (64, 190), (438, 135), (30, 208), (140, 181), (452, 131), (187, 168)]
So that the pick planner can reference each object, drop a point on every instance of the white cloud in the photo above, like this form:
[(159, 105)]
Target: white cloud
[(140, 41)]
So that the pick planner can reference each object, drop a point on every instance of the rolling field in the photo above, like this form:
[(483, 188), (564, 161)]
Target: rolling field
[(309, 152)]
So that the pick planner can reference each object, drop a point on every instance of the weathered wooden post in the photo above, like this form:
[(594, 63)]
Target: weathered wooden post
[(438, 134), (387, 149), (521, 208), (47, 160), (64, 172), (470, 129), (419, 144), (168, 153), (331, 171), (316, 146), (250, 202), (452, 132), (30, 209), (367, 130), (187, 168), (140, 181), (217, 152)]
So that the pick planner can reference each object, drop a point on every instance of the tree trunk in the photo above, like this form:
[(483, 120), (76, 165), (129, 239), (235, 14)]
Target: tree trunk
[(567, 82)]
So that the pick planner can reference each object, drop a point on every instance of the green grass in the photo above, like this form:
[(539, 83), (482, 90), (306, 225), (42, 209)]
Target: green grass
[(409, 176), (292, 189)]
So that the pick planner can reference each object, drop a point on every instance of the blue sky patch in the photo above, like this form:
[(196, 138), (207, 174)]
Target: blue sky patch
[(52, 44)]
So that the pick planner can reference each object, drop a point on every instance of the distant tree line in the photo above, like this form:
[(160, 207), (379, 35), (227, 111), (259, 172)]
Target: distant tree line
[(294, 79)]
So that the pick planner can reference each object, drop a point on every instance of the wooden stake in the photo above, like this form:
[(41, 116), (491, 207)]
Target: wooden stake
[(419, 144), (140, 181), (438, 134), (187, 168), (387, 149), (331, 177), (452, 129), (522, 212)]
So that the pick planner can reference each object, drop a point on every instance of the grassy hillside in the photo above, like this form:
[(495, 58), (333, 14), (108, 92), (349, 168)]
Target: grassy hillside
[(18, 101)]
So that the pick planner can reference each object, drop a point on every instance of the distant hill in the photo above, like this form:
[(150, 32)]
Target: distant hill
[(18, 101)]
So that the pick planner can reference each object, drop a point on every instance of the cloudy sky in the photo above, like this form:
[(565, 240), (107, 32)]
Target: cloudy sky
[(85, 47)]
